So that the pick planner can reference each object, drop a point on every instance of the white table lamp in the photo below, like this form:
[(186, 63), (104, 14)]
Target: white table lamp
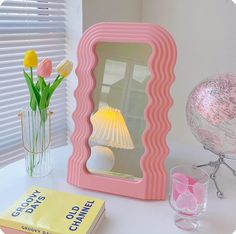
[(109, 129)]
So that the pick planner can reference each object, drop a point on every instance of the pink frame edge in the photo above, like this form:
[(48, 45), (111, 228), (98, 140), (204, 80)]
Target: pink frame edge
[(161, 65)]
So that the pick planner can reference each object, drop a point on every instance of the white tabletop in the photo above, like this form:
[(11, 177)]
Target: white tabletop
[(127, 215)]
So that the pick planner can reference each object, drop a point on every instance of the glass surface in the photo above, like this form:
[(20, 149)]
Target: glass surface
[(210, 113), (121, 77), (36, 139), (188, 195)]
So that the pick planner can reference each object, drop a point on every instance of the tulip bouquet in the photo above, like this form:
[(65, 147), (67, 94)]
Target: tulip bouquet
[(41, 92), (35, 121)]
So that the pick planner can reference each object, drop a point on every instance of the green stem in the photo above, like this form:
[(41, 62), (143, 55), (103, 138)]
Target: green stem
[(43, 144), (57, 77), (31, 73), (29, 154), (34, 139)]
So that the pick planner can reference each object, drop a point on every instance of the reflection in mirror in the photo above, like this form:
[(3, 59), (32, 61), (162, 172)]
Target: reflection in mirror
[(119, 102)]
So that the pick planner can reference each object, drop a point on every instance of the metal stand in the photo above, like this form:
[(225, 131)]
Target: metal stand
[(216, 165)]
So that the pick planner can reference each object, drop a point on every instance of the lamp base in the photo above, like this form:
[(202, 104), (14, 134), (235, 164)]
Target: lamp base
[(101, 159)]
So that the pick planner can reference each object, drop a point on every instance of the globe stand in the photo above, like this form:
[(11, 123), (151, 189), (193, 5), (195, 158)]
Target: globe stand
[(216, 165)]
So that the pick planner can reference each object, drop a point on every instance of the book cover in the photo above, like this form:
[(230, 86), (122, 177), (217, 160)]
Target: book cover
[(46, 211), (7, 230)]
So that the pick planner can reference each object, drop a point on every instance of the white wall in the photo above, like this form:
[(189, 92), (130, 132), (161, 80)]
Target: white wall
[(95, 11), (74, 31), (205, 34)]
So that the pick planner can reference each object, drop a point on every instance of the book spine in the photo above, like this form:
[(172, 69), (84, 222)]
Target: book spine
[(25, 227)]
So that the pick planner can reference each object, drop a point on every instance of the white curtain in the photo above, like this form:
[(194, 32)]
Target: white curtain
[(24, 25)]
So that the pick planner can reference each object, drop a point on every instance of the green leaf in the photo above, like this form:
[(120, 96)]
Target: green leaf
[(44, 115), (42, 83), (37, 86), (33, 103), (34, 94), (53, 87), (58, 76), (44, 97), (48, 97)]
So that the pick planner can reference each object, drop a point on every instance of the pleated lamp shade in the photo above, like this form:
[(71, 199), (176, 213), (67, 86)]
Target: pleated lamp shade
[(109, 129)]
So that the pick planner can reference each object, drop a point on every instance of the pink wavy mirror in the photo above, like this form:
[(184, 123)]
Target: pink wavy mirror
[(125, 71)]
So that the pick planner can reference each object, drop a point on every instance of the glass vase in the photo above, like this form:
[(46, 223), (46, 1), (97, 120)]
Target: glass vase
[(36, 139)]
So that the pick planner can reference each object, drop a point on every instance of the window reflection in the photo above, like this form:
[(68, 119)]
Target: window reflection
[(121, 78)]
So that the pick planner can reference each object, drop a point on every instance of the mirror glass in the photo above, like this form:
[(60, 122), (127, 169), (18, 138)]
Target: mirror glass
[(119, 102)]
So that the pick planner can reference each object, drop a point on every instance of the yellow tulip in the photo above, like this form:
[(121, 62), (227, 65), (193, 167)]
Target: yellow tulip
[(64, 68), (30, 59)]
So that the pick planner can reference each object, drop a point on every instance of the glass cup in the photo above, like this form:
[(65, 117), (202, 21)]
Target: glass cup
[(188, 195)]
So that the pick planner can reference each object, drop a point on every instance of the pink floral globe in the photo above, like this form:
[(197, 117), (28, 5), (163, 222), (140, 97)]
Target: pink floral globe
[(211, 113)]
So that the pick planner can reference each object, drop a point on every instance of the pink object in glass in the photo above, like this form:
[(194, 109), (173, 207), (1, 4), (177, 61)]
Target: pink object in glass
[(188, 195), (180, 182), (199, 192), (191, 181), (187, 201), (175, 193)]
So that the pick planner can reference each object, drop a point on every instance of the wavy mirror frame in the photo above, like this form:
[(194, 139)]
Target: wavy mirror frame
[(161, 66)]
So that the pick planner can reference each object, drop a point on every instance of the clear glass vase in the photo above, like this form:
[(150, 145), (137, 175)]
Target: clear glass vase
[(36, 139)]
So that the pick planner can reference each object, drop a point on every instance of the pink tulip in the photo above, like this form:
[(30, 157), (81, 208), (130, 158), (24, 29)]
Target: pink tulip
[(45, 68)]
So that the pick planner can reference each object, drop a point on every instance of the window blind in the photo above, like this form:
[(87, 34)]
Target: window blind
[(24, 25)]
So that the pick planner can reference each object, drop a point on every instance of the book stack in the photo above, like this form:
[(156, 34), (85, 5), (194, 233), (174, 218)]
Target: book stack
[(45, 211)]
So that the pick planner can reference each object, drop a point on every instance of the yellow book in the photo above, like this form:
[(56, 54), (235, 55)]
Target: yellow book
[(45, 211)]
